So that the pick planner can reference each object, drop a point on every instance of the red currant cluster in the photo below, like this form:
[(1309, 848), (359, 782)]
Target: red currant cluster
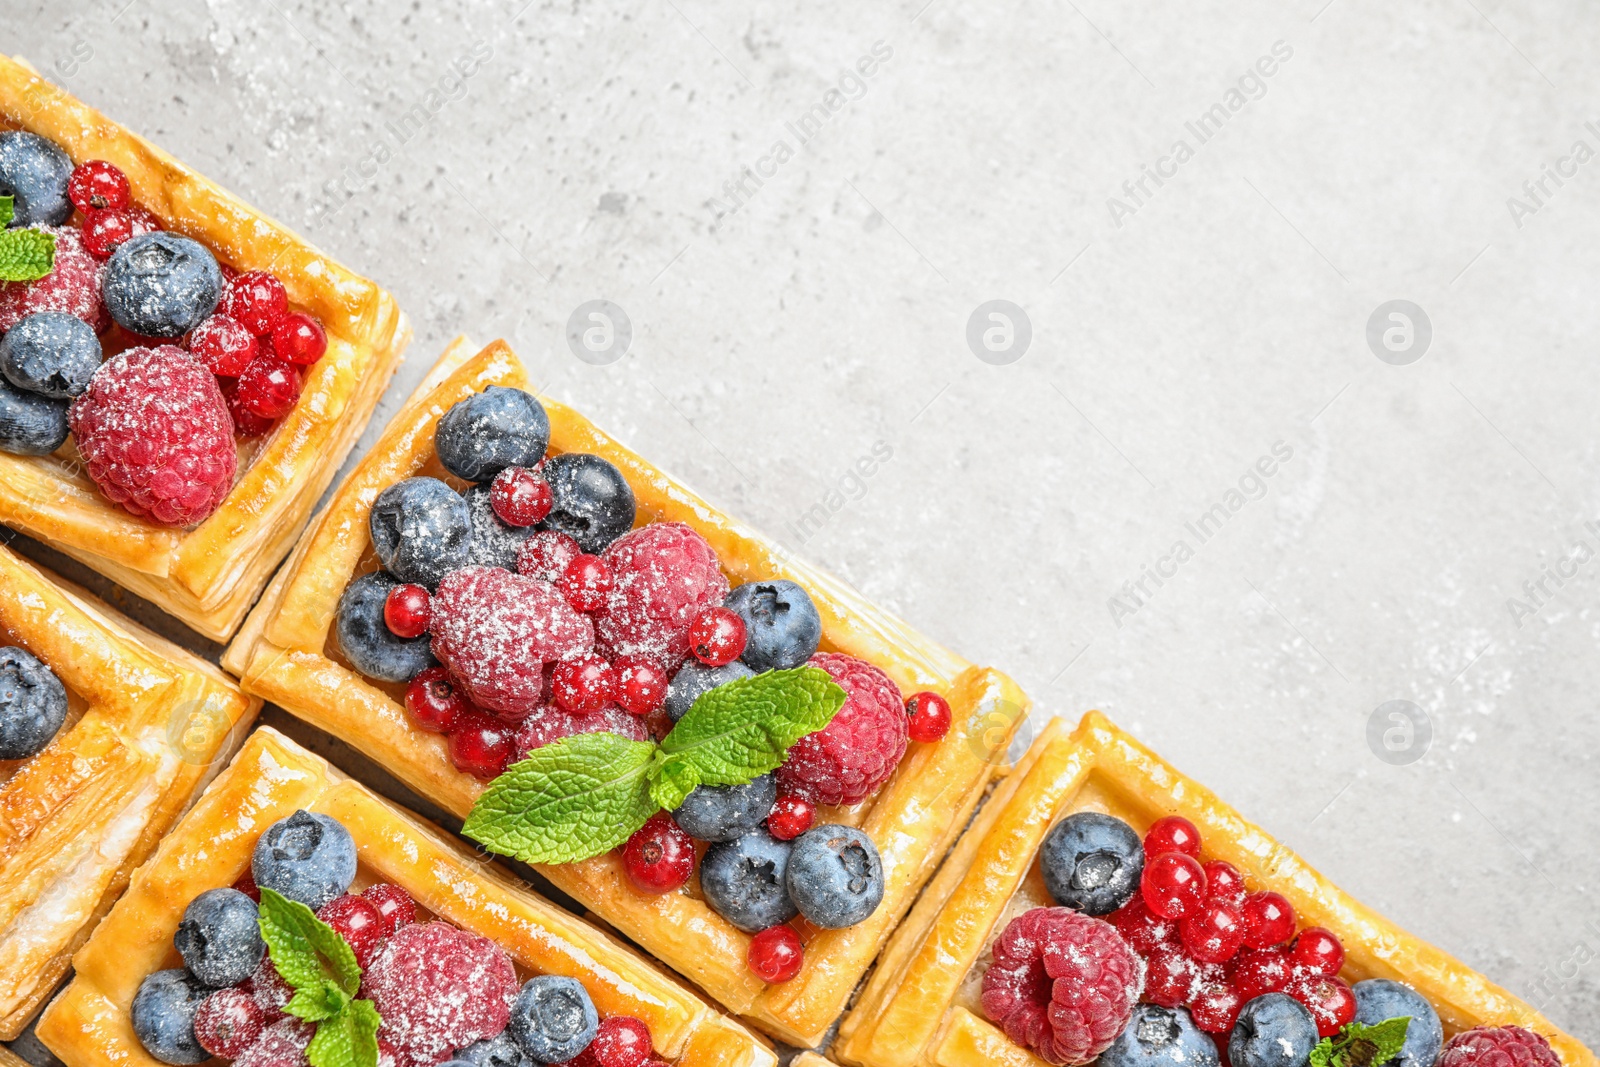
[(1210, 945)]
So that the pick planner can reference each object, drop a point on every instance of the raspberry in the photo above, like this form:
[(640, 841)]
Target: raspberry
[(545, 555), (228, 1022), (73, 286), (283, 1044), (223, 345), (269, 989), (1498, 1046), (440, 989), (155, 435), (496, 630), (1062, 983), (548, 724), (860, 748), (663, 575)]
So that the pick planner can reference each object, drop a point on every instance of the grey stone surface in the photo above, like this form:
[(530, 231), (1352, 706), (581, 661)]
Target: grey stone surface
[(1173, 342)]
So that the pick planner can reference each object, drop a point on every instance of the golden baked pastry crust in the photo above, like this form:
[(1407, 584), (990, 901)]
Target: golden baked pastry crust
[(280, 654), (210, 575), (921, 1005), (88, 1024), (147, 723)]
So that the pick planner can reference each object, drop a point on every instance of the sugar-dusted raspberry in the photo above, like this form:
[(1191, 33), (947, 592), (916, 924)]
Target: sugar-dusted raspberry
[(858, 751), (1498, 1046), (439, 989), (549, 724), (663, 575), (496, 630), (1062, 983), (269, 989), (283, 1044), (228, 1022), (155, 435), (545, 555), (73, 286)]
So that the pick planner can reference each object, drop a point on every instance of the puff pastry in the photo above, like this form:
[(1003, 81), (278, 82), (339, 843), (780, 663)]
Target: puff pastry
[(922, 1007), (210, 575), (88, 1024), (147, 722), (283, 653)]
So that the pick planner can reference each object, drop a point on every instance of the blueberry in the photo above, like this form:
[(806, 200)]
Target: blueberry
[(161, 284), (33, 704), (494, 544), (592, 502), (695, 678), (743, 881), (1273, 1030), (490, 431), (553, 1018), (1378, 999), (835, 876), (30, 424), (306, 857), (780, 621), (220, 937), (1160, 1037), (163, 1016), (34, 171), (50, 353), (498, 1051), (366, 640), (724, 812), (421, 530), (1092, 862)]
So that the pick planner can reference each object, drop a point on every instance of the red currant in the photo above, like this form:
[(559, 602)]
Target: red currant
[(621, 1041), (545, 555), (393, 903), (434, 700), (228, 1022), (1143, 929), (659, 857), (641, 684), (1173, 833), (105, 231), (257, 299), (359, 922), (520, 496), (269, 387), (776, 954), (246, 884), (1173, 885), (930, 716), (223, 345), (1169, 976), (1268, 919), (1257, 971), (1212, 934), (245, 422), (481, 746), (1317, 951), (1215, 1007), (717, 636), (97, 185), (406, 611), (791, 816), (583, 683), (586, 582), (1224, 883), (299, 338), (1331, 1002)]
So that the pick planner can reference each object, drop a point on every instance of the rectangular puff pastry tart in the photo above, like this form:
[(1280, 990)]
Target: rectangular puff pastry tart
[(106, 734), (459, 961), (240, 364), (1093, 823), (669, 654)]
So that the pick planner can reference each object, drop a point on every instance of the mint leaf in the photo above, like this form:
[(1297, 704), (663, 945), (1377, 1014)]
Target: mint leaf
[(673, 781), (7, 210), (349, 1039), (321, 1000), (742, 729), (567, 801), (306, 950), (1361, 1045), (26, 255)]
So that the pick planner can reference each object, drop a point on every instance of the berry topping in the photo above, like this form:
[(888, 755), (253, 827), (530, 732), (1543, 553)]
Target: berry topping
[(1258, 971), (481, 746), (223, 345), (393, 903), (664, 575), (929, 715), (246, 423), (1173, 833), (586, 583), (583, 683), (490, 431), (1329, 999), (299, 339), (405, 610), (155, 435), (36, 173), (163, 1014), (257, 299), (268, 387), (520, 496), (30, 424), (106, 231), (694, 679), (1378, 999), (494, 544), (497, 1051), (545, 555), (1091, 863), (791, 816), (1173, 885), (659, 857), (1062, 984), (96, 185), (1224, 882), (553, 1019), (590, 500), (365, 638), (307, 857), (726, 812), (439, 989), (282, 1044), (247, 885), (1268, 920), (1498, 1046), (1160, 1037), (72, 286), (776, 954), (1170, 976), (33, 704), (550, 724), (859, 750), (1273, 1031), (1213, 933), (716, 637), (359, 922), (620, 1041), (641, 684), (1317, 951), (228, 1022), (161, 284), (744, 881), (781, 622), (1215, 1007), (434, 701), (835, 876), (220, 937), (50, 353), (496, 630), (421, 530), (1144, 929)]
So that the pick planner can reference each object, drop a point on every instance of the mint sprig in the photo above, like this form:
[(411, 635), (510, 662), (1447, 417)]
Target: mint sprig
[(1361, 1045), (25, 254), (320, 966), (585, 795)]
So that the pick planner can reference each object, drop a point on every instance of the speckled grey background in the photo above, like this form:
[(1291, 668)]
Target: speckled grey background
[(593, 151)]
